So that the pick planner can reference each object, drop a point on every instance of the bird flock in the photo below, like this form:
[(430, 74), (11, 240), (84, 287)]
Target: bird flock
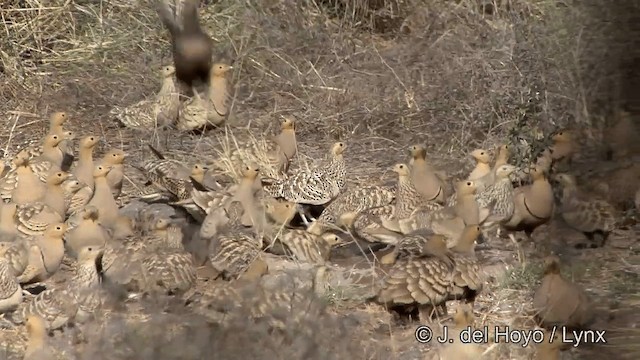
[(63, 213), (60, 213)]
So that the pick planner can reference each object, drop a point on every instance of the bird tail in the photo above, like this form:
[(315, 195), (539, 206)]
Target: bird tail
[(189, 17), (168, 18)]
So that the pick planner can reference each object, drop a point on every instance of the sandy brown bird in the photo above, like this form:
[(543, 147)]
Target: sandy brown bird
[(489, 178), (84, 168), (424, 177), (38, 347), (10, 291), (280, 212), (234, 249), (115, 158), (8, 224), (33, 218), (154, 112), (458, 350), (192, 47), (593, 216), (621, 140), (169, 268), (533, 204), (76, 301), (23, 185), (560, 302), (317, 186), (45, 255), (273, 154), (102, 196), (420, 281), (564, 147), (17, 253), (468, 279), (449, 221), (88, 231), (346, 207), (483, 166), (219, 94), (496, 200)]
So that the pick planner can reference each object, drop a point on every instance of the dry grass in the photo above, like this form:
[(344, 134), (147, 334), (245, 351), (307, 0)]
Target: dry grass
[(378, 74)]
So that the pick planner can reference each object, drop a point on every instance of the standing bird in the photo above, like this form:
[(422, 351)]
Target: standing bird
[(192, 47)]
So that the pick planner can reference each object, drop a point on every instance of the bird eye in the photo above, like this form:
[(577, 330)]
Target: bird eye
[(58, 228), (469, 183), (482, 153)]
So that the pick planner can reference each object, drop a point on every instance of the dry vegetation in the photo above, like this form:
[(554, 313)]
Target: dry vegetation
[(379, 74)]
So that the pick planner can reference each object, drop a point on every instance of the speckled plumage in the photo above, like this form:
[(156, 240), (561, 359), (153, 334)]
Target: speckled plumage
[(169, 267), (234, 247), (589, 215), (155, 112), (10, 290), (350, 203), (497, 198), (315, 187), (423, 281), (307, 247), (60, 305)]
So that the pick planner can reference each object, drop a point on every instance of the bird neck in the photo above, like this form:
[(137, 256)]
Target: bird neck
[(501, 160), (287, 142), (100, 181), (247, 185), (484, 167), (168, 86), (86, 274), (54, 246), (198, 177), (86, 155), (421, 162), (55, 198), (219, 81), (53, 154), (55, 128)]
